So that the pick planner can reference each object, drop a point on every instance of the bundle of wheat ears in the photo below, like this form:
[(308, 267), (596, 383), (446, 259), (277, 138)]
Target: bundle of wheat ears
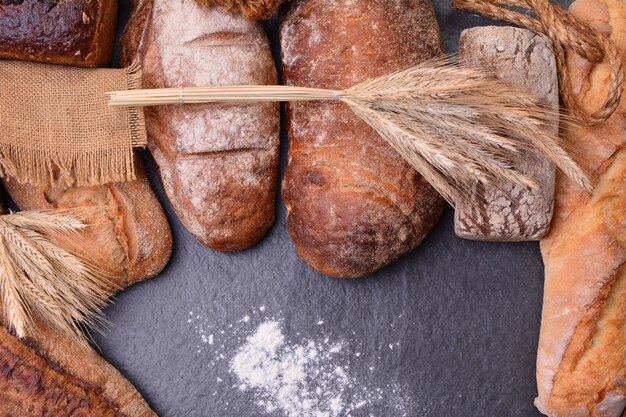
[(39, 280), (453, 124)]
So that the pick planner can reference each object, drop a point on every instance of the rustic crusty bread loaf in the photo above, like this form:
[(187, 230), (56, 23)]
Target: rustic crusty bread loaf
[(72, 32), (353, 204), (581, 362), (508, 212), (54, 376), (129, 236), (218, 162)]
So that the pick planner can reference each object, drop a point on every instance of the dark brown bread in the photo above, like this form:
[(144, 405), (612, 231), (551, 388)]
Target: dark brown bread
[(53, 376), (218, 162), (71, 32), (354, 205)]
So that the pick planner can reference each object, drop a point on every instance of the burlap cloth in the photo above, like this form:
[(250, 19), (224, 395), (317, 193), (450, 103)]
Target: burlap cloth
[(56, 126)]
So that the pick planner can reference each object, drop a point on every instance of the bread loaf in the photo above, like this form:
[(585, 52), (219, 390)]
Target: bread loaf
[(71, 32), (353, 204), (54, 376), (509, 212), (218, 162), (581, 360), (51, 375), (129, 236)]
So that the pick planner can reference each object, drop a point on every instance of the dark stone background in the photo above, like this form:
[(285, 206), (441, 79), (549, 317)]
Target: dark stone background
[(466, 314)]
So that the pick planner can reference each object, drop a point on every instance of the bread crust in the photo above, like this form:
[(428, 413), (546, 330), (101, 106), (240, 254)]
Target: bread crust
[(57, 377), (70, 32), (129, 235), (581, 362), (353, 204), (218, 162)]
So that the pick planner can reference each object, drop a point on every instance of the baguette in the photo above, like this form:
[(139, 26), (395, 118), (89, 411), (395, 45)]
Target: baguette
[(69, 32), (218, 162), (581, 361), (54, 376), (354, 205)]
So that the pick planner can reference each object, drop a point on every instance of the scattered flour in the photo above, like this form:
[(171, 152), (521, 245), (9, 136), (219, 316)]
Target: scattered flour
[(308, 377)]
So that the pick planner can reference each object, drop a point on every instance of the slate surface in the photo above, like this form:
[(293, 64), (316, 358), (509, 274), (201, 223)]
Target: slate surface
[(462, 317)]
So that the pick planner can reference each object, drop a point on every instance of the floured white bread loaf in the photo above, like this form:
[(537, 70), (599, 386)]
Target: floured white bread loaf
[(508, 212), (581, 362), (218, 162)]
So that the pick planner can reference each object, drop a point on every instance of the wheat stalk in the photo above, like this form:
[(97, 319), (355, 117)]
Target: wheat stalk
[(455, 125), (40, 280)]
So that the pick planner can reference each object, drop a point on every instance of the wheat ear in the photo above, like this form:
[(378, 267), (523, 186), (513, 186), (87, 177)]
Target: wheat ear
[(40, 280)]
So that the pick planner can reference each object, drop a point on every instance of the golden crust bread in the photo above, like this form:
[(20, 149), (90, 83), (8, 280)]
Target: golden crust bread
[(50, 374), (354, 205), (581, 362), (129, 235)]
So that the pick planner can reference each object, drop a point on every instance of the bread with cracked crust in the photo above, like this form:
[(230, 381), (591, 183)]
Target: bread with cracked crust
[(50, 374), (354, 205), (581, 360), (128, 236), (218, 162)]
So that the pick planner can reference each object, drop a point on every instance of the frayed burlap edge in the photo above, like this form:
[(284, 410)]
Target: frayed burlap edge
[(81, 168)]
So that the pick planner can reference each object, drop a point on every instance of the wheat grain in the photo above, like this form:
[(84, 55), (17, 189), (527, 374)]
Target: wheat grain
[(455, 125), (40, 280)]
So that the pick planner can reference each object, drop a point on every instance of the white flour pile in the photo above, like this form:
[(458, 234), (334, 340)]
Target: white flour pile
[(301, 380), (311, 377)]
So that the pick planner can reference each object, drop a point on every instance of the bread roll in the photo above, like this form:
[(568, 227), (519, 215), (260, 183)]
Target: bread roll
[(218, 162), (71, 32), (129, 236), (353, 204), (581, 360)]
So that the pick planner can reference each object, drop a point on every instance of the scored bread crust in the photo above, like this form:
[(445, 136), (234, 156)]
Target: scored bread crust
[(218, 162), (354, 205), (50, 374), (128, 234), (70, 32), (55, 376), (581, 362)]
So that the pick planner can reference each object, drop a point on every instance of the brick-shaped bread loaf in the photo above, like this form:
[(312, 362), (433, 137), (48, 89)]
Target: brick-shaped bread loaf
[(354, 205), (509, 212), (70, 32)]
